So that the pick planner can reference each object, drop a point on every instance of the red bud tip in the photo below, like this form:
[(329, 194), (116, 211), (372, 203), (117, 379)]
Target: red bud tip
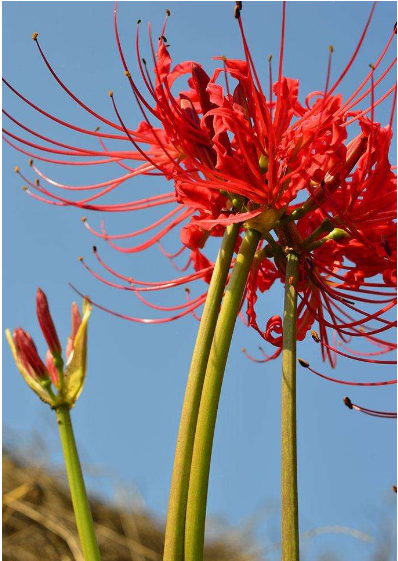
[(28, 355), (47, 324), (347, 402), (303, 363)]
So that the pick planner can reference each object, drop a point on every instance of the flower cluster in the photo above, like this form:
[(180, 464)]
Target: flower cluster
[(232, 153), (52, 376)]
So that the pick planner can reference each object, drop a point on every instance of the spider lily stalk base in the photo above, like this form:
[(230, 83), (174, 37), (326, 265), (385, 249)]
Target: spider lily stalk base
[(201, 458), (81, 507), (289, 494), (174, 539)]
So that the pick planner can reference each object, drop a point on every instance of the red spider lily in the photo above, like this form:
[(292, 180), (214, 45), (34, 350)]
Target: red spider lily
[(232, 151)]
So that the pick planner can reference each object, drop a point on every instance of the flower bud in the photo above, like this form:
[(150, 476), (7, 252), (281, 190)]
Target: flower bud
[(52, 369), (28, 355), (76, 321), (47, 324)]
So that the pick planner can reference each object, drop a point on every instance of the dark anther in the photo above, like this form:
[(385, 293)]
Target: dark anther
[(347, 402), (303, 363), (94, 248), (315, 336), (236, 13), (386, 246), (168, 13), (239, 5), (395, 28)]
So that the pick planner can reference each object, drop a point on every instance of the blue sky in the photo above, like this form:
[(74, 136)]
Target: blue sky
[(127, 417)]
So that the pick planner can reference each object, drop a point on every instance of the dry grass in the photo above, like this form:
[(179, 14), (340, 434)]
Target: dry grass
[(38, 523)]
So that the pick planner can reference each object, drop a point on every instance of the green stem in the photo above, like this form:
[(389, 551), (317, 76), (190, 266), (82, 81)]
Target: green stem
[(84, 521), (289, 494), (175, 527), (200, 468)]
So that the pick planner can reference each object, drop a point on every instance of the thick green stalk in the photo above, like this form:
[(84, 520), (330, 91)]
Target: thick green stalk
[(289, 494), (81, 507), (175, 527), (200, 468)]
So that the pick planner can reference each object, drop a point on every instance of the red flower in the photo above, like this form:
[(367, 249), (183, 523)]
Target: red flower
[(232, 151)]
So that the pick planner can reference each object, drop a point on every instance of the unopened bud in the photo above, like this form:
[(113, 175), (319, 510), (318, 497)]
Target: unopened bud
[(47, 324), (28, 355), (52, 369)]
